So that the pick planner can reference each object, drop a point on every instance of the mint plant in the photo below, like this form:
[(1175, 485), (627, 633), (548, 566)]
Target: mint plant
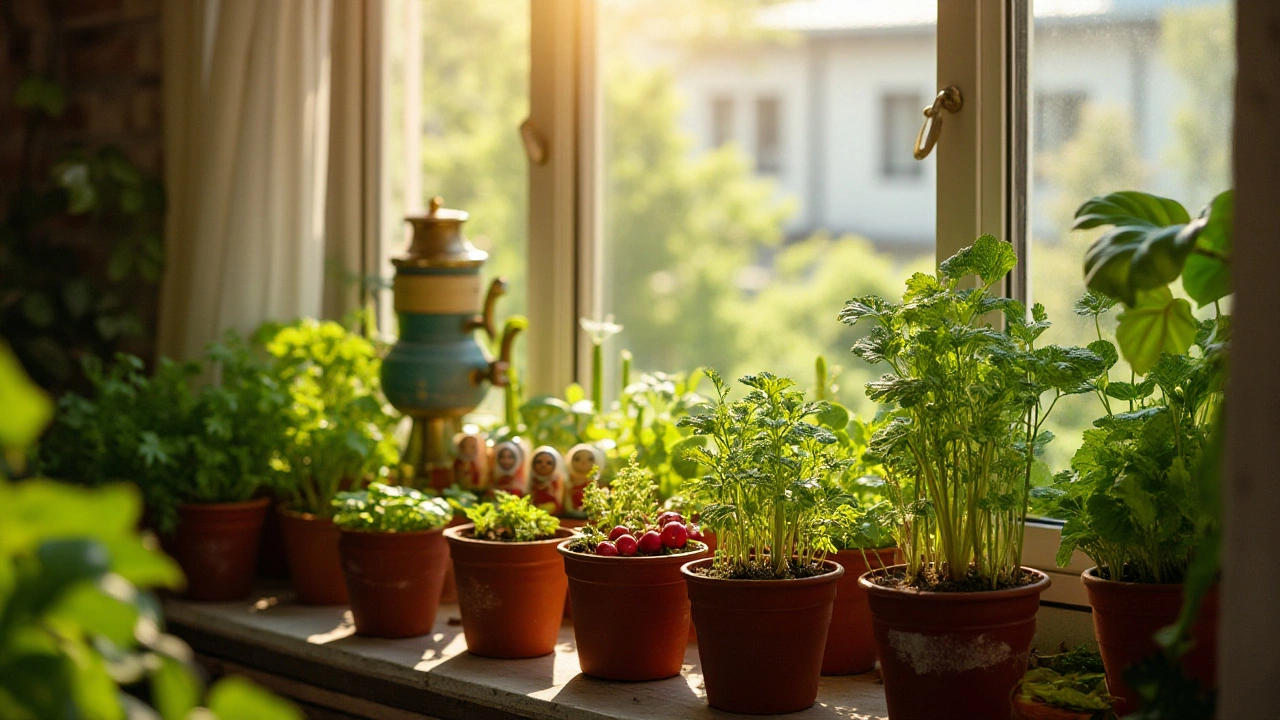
[(762, 491), (512, 518), (390, 508), (340, 430), (968, 404)]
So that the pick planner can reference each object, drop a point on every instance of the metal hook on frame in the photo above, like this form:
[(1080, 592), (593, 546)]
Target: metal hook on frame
[(949, 99)]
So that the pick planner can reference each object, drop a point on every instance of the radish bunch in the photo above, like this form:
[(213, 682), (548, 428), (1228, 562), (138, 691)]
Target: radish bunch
[(669, 533)]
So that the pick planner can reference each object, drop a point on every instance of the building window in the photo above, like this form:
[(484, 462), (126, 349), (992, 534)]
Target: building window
[(721, 120), (768, 135), (1057, 118), (900, 120)]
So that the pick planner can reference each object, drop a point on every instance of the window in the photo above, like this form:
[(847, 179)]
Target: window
[(768, 136), (1057, 116), (900, 120), (721, 120)]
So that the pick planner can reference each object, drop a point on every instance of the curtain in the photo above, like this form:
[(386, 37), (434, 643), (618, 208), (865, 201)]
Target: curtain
[(255, 229)]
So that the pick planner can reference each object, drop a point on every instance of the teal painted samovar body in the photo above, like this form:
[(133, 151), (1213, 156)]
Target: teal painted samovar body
[(438, 371)]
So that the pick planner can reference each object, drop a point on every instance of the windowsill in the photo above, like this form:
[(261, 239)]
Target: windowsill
[(313, 650)]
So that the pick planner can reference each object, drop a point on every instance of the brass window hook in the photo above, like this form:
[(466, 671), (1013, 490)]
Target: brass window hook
[(950, 99)]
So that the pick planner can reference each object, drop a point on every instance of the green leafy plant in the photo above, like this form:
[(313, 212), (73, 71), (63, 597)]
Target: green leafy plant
[(340, 430), (79, 628), (390, 508), (629, 509), (511, 518), (1070, 679), (964, 431), (179, 443), (762, 491)]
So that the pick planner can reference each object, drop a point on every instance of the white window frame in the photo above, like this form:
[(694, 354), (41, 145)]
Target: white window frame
[(981, 185)]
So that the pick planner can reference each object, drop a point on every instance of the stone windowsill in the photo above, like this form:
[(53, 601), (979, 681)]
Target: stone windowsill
[(434, 676)]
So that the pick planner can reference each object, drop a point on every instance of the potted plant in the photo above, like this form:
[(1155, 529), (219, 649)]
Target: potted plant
[(393, 558), (1139, 499), (339, 435), (511, 582), (763, 604), (953, 625), (201, 457), (625, 564), (1067, 685)]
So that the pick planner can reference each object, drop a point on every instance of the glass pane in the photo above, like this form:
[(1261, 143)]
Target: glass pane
[(1125, 96), (457, 83), (758, 174)]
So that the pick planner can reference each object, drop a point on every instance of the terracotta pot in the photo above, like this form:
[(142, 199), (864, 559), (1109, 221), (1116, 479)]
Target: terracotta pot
[(851, 646), (217, 546), (632, 619), (1126, 615), (708, 537), (571, 524), (393, 580), (952, 654), (754, 629), (511, 594), (311, 543)]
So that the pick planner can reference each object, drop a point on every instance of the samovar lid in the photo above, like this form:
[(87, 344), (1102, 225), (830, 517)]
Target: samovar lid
[(438, 240)]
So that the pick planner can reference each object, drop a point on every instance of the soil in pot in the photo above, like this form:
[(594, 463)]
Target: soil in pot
[(311, 543), (511, 594), (851, 646), (761, 641), (1125, 617), (216, 544), (393, 580), (632, 613), (952, 655)]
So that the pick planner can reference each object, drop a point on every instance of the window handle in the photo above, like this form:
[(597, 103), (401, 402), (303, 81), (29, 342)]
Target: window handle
[(535, 147), (950, 99)]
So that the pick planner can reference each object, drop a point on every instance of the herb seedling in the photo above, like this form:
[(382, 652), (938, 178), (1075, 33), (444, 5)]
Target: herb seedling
[(626, 519), (389, 508), (511, 518)]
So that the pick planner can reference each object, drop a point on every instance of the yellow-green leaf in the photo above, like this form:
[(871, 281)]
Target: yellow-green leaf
[(1159, 323)]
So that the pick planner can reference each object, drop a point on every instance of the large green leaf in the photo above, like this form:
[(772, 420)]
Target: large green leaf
[(175, 689), (1160, 323), (234, 698), (988, 258), (1144, 249), (1207, 278), (26, 407)]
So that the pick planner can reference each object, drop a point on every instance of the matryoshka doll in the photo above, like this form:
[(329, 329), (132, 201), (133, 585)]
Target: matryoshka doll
[(583, 458), (470, 461), (546, 482), (508, 468)]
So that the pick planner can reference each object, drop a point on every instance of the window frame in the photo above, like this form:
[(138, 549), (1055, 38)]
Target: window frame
[(981, 179)]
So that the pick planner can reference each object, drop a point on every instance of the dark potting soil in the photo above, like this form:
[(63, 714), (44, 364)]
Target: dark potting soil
[(756, 570), (585, 547), (929, 580), (500, 535)]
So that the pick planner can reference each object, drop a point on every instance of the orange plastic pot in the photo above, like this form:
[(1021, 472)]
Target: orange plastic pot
[(851, 646), (511, 594), (216, 544), (1125, 617), (754, 629), (952, 655), (631, 617), (311, 544), (393, 580)]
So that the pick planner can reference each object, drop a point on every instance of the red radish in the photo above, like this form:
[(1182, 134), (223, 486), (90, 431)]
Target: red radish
[(650, 543), (669, 516), (626, 545), (618, 531), (606, 548), (695, 533), (674, 535)]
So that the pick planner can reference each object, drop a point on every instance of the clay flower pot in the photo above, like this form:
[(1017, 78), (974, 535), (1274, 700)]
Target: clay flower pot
[(1125, 617), (311, 543), (631, 613), (571, 524), (393, 580), (761, 641), (510, 594), (216, 544), (952, 654), (449, 594), (851, 647)]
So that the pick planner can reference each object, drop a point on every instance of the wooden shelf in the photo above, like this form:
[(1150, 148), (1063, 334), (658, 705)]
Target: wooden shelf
[(313, 655)]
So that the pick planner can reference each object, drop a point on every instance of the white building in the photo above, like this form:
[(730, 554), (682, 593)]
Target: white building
[(832, 111)]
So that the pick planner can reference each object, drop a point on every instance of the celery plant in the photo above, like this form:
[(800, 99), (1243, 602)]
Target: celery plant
[(965, 428)]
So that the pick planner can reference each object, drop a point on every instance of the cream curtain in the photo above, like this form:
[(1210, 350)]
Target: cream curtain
[(255, 228)]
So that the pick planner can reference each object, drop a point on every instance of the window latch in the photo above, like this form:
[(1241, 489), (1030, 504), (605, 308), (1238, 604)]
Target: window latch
[(949, 99)]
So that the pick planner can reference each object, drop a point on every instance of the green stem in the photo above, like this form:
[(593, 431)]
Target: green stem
[(597, 376)]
